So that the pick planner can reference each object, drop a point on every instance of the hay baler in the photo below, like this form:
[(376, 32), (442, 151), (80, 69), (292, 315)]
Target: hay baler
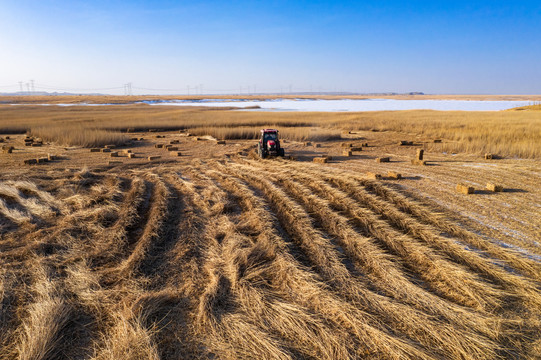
[(269, 144)]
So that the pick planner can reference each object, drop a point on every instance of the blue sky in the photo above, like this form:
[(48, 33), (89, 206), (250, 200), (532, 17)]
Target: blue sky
[(442, 47)]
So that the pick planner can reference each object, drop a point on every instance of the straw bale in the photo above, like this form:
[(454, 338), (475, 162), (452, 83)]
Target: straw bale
[(494, 188), (464, 189), (372, 175), (394, 175)]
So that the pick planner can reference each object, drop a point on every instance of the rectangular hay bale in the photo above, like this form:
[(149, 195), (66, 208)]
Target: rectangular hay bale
[(346, 145), (372, 175), (110, 146), (222, 142), (464, 189), (494, 188), (320, 160), (131, 155), (30, 161), (394, 175), (155, 157), (347, 153), (172, 148), (95, 150), (158, 146), (106, 150), (383, 159), (113, 154), (418, 162)]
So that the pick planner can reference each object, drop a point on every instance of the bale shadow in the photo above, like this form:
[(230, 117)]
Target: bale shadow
[(515, 190)]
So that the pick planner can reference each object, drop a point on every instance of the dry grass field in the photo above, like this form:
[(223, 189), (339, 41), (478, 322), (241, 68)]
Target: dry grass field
[(218, 254)]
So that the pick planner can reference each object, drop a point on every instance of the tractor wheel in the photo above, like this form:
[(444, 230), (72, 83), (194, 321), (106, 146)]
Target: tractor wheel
[(281, 152), (260, 151)]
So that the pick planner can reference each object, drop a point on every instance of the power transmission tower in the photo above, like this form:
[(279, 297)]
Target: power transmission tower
[(32, 85), (127, 89), (21, 86), (28, 88)]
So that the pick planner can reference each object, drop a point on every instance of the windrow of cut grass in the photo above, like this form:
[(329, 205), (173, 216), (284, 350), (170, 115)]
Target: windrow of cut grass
[(352, 196), (231, 258)]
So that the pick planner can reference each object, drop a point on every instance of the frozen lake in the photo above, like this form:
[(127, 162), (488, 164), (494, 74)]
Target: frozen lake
[(350, 105)]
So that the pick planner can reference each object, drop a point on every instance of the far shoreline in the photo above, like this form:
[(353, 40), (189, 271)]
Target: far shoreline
[(121, 99)]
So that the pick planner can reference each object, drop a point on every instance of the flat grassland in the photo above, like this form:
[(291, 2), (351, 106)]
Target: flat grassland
[(219, 254)]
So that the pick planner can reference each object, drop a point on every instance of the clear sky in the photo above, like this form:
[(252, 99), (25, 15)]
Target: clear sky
[(440, 47)]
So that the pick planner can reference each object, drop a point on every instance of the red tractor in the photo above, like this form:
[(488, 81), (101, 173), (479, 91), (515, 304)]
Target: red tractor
[(268, 144)]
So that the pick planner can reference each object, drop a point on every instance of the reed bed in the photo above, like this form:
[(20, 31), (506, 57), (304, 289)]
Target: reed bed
[(234, 259), (297, 133), (78, 135), (506, 133)]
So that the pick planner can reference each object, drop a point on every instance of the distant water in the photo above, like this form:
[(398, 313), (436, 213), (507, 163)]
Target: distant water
[(329, 105), (351, 105)]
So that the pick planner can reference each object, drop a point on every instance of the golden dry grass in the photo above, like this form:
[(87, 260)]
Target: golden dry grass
[(77, 135), (505, 133), (242, 259)]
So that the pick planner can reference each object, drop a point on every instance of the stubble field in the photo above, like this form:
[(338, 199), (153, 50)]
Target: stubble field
[(218, 254)]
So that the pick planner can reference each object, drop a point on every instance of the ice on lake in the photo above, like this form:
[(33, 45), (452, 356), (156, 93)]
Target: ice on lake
[(351, 104)]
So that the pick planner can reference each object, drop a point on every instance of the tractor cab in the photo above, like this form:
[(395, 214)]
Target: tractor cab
[(269, 144)]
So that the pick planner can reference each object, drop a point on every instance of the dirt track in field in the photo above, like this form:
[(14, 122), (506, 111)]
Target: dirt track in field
[(226, 256)]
